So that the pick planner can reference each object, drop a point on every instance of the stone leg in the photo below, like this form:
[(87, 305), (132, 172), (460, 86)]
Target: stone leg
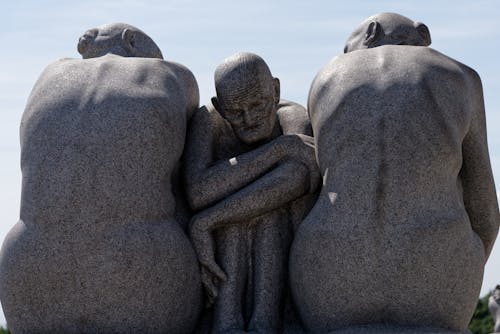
[(270, 257), (232, 256)]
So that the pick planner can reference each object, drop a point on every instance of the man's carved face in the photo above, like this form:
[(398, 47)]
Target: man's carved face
[(251, 110)]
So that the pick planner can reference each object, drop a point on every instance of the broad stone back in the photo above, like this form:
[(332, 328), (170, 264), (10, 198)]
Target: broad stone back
[(102, 141)]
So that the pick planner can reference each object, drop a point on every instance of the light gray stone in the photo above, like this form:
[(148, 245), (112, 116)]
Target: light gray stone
[(97, 248), (251, 175), (494, 306), (408, 213)]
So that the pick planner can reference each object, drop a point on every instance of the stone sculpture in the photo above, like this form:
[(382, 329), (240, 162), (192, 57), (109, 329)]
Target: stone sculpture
[(96, 248), (408, 213), (494, 306), (250, 174)]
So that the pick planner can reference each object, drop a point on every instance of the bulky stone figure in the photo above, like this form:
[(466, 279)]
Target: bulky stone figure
[(250, 166), (494, 306), (96, 248), (408, 213)]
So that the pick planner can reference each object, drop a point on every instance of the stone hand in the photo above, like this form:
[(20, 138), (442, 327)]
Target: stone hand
[(211, 273)]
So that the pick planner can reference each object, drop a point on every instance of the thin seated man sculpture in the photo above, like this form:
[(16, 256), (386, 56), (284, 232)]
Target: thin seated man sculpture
[(249, 175), (494, 307), (408, 209), (96, 248)]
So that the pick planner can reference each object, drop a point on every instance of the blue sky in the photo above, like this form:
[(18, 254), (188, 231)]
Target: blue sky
[(296, 38)]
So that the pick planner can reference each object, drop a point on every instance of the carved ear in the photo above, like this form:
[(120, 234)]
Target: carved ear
[(277, 90), (129, 39), (372, 33), (424, 32), (215, 103)]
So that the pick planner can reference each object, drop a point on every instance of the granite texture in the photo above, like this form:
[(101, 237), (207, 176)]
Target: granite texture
[(408, 213), (251, 176), (494, 306), (97, 249), (384, 329)]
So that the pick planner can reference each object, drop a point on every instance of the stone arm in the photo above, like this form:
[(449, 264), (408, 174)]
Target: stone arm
[(479, 193), (208, 182), (285, 183)]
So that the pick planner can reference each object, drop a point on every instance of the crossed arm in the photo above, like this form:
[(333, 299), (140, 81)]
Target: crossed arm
[(209, 181)]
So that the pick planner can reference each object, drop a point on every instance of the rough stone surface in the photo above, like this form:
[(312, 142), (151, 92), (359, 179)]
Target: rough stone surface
[(251, 176), (96, 248), (494, 306), (408, 213), (384, 329)]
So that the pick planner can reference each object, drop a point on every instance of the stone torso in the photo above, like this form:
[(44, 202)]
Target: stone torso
[(389, 133), (98, 135)]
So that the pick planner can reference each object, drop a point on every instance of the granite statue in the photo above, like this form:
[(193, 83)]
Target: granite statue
[(97, 248), (494, 306), (408, 211), (250, 175)]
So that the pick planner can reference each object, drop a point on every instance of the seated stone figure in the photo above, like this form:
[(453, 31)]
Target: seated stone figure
[(250, 167), (96, 248), (494, 306), (408, 213)]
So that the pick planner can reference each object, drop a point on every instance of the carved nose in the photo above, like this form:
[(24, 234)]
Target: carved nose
[(247, 119)]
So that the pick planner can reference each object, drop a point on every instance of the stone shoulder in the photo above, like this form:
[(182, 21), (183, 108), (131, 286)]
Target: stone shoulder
[(293, 118)]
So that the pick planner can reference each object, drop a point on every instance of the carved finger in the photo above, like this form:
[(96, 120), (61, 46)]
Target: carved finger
[(215, 269), (210, 286)]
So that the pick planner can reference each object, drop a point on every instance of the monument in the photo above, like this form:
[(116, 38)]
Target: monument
[(494, 306), (96, 248), (114, 145), (408, 213)]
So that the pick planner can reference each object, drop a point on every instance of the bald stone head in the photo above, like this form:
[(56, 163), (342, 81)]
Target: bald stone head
[(119, 39), (388, 29), (247, 96)]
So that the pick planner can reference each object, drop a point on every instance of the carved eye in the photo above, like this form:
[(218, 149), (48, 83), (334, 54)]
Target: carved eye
[(233, 114), (256, 105)]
